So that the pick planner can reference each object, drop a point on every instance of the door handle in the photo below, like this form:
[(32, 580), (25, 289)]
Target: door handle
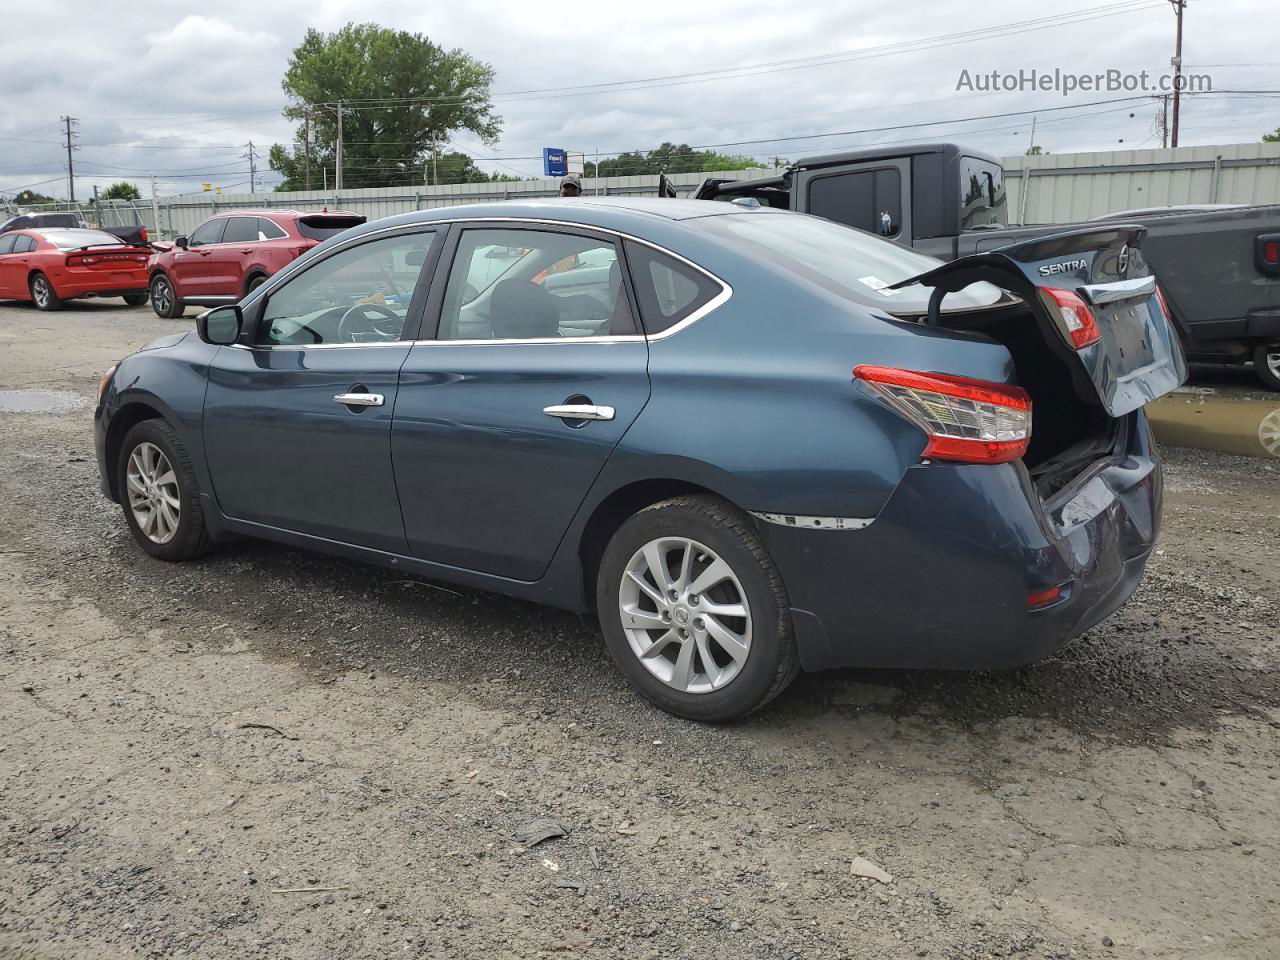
[(359, 399), (579, 411)]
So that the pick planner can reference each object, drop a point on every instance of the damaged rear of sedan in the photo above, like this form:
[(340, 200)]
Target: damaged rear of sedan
[(749, 441)]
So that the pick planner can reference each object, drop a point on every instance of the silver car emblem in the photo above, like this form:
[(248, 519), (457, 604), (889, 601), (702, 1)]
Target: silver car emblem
[(1122, 262)]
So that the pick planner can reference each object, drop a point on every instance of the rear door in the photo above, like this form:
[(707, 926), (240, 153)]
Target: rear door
[(226, 260), (10, 269), (874, 198), (297, 418), (1097, 303), (509, 411)]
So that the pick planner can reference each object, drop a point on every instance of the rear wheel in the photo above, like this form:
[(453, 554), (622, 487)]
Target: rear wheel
[(694, 611), (164, 299), (43, 294), (254, 283), (135, 299), (159, 493), (1266, 364)]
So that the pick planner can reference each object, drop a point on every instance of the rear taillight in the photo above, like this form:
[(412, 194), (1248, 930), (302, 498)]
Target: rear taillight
[(146, 238), (1081, 327), (1164, 304), (973, 421)]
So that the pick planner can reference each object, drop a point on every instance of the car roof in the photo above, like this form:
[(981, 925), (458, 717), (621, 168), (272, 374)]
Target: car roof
[(890, 152)]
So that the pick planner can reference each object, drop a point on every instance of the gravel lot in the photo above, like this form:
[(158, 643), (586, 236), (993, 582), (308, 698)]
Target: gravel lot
[(182, 745)]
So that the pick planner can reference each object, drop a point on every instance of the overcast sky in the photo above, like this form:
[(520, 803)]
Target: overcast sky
[(179, 88)]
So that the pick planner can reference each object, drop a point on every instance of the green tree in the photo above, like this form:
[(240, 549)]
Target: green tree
[(31, 198), (401, 96), (121, 191), (1272, 137), (667, 158)]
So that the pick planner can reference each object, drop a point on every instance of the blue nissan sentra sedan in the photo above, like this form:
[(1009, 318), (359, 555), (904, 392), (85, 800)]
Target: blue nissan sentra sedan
[(748, 440)]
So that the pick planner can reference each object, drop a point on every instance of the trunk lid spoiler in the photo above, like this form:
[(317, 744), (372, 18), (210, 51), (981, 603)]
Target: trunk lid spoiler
[(1138, 356)]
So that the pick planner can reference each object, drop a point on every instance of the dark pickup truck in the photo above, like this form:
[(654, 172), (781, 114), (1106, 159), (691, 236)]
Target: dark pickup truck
[(1219, 267), (134, 234)]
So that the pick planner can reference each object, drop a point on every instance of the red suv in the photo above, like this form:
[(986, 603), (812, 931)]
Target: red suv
[(232, 253)]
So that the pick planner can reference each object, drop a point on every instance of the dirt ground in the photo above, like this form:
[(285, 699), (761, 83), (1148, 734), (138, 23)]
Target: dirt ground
[(267, 753)]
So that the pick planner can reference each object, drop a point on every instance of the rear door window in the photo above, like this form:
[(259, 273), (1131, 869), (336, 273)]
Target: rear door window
[(208, 232), (24, 244), (241, 230), (668, 290)]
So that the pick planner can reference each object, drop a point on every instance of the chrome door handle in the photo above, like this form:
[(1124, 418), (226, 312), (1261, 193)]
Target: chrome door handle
[(579, 411), (359, 399)]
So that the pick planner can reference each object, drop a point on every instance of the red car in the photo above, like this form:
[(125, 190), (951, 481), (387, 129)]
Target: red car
[(48, 265), (232, 253)]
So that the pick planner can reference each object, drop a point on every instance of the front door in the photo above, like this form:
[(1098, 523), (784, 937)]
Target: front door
[(507, 416), (191, 267), (297, 419)]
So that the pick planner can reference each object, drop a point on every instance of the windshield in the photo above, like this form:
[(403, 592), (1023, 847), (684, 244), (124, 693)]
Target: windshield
[(850, 263), (71, 239)]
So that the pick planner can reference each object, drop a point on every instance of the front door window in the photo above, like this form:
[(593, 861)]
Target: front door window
[(360, 295)]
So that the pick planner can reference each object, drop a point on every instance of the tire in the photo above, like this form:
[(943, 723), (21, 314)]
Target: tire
[(254, 283), (715, 532), (164, 299), (164, 540), (42, 293), (1266, 364), (136, 299)]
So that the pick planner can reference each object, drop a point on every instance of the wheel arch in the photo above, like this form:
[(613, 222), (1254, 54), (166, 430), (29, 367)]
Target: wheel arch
[(121, 423), (616, 508), (252, 274)]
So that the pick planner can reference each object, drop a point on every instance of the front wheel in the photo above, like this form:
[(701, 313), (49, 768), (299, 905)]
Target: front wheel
[(135, 299), (159, 493), (1266, 364), (164, 299), (694, 611), (42, 293)]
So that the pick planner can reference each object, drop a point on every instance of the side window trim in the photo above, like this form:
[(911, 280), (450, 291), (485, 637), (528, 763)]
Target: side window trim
[(430, 330), (427, 276), (708, 306)]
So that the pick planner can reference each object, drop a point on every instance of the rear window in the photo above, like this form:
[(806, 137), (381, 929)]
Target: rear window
[(324, 226), (71, 239), (870, 200), (981, 194), (669, 291), (846, 262)]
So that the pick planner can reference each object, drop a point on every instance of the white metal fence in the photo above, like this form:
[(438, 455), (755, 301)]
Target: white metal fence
[(1041, 189)]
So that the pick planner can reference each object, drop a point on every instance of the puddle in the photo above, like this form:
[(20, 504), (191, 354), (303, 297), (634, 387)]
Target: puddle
[(40, 401), (1206, 420)]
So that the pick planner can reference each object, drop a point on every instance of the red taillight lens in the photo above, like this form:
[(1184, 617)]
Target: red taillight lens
[(1042, 598), (1082, 328), (973, 421), (1164, 304), (1271, 253)]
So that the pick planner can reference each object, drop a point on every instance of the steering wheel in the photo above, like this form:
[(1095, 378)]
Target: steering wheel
[(385, 325)]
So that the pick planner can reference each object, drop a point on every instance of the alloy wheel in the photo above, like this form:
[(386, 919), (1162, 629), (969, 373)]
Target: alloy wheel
[(1273, 362), (153, 493), (161, 296), (40, 291), (685, 614)]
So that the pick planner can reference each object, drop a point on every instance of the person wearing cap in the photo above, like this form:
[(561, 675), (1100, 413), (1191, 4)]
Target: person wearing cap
[(570, 186)]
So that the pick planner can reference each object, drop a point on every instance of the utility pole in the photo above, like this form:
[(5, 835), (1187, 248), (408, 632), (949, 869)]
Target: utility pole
[(306, 146), (252, 157), (337, 171), (435, 176), (71, 170), (155, 207), (1178, 7), (1163, 120), (1032, 145)]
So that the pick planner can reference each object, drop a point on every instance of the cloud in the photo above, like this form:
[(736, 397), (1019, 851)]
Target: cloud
[(175, 88)]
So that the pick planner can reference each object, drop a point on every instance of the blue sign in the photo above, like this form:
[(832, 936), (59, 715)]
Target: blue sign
[(554, 162)]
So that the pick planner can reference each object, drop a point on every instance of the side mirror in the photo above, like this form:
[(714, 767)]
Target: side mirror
[(181, 242), (220, 326)]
